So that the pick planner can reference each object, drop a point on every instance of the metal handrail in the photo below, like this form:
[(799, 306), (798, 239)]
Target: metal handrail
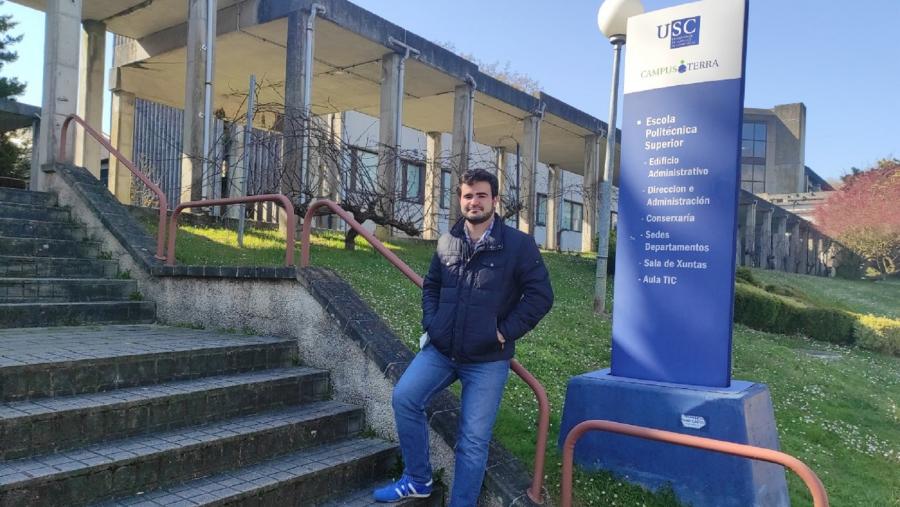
[(291, 225), (163, 203), (535, 492), (820, 497)]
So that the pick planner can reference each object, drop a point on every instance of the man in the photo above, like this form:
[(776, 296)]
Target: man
[(487, 286)]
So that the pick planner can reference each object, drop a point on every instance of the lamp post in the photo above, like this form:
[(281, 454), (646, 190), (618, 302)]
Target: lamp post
[(612, 18)]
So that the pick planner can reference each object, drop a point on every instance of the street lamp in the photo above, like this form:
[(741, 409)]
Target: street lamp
[(612, 18)]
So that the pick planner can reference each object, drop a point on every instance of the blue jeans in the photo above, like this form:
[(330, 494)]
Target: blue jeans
[(482, 389)]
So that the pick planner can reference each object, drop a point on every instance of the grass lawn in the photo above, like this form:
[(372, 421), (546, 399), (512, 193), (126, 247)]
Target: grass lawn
[(836, 408), (880, 297)]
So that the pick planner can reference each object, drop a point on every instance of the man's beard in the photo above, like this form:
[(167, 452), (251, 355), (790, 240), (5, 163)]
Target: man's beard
[(486, 215)]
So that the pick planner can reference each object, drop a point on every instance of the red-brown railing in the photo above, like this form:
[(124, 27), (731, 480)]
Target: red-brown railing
[(820, 497), (163, 203), (535, 492), (290, 226)]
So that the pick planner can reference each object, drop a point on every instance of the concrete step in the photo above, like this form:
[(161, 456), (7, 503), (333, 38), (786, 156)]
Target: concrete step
[(21, 228), (46, 425), (62, 361), (363, 498), (42, 247), (56, 267), (16, 196), (62, 290), (127, 467), (307, 478), (16, 315), (31, 212)]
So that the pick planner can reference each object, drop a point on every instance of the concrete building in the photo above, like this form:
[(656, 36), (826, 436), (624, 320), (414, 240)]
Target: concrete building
[(406, 111), (390, 89), (773, 152)]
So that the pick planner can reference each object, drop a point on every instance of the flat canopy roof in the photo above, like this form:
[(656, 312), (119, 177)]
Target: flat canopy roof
[(15, 115), (349, 45)]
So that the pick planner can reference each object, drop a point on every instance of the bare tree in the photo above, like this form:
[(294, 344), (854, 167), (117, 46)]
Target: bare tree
[(306, 158)]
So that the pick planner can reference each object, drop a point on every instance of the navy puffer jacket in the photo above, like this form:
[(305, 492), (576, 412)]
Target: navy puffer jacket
[(504, 285)]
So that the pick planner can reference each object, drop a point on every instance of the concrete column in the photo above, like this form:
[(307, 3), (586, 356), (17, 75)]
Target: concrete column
[(794, 248), (750, 235), (500, 154), (314, 179), (388, 134), (326, 155), (90, 100), (432, 185), (820, 255), (463, 110), (764, 239), (828, 257), (62, 25), (193, 158), (553, 200), (590, 185), (779, 243), (528, 168), (295, 99), (810, 251), (121, 136), (803, 249), (331, 181), (237, 166), (34, 172)]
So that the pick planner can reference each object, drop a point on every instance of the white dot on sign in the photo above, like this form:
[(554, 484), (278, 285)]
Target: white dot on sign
[(639, 122)]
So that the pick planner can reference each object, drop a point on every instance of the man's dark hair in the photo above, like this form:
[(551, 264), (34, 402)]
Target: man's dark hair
[(472, 176)]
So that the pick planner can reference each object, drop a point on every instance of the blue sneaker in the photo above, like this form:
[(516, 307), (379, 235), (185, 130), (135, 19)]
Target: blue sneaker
[(403, 488)]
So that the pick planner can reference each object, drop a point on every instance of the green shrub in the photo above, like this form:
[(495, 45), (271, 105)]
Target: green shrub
[(828, 324), (880, 334), (754, 308), (745, 275), (783, 290), (611, 256), (849, 265), (759, 309)]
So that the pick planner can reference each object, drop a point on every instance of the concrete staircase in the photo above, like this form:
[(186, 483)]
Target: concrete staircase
[(140, 414), (51, 273), (152, 415)]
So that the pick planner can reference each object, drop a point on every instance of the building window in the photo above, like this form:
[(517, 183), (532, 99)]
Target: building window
[(571, 216), (445, 190), (753, 140), (753, 178), (363, 170), (413, 181), (540, 217), (753, 157)]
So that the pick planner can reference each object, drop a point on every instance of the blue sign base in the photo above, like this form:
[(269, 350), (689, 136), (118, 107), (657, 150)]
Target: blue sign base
[(741, 413)]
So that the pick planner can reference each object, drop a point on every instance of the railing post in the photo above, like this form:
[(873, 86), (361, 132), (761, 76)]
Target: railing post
[(163, 202), (536, 492), (816, 488), (290, 243)]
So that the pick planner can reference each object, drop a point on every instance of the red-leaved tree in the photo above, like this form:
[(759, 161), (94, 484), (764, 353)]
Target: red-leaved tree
[(864, 215)]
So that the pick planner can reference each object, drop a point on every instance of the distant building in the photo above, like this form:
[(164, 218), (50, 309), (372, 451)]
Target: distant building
[(773, 150)]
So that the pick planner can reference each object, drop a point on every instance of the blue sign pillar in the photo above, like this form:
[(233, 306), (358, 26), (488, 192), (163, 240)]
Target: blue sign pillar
[(674, 283)]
